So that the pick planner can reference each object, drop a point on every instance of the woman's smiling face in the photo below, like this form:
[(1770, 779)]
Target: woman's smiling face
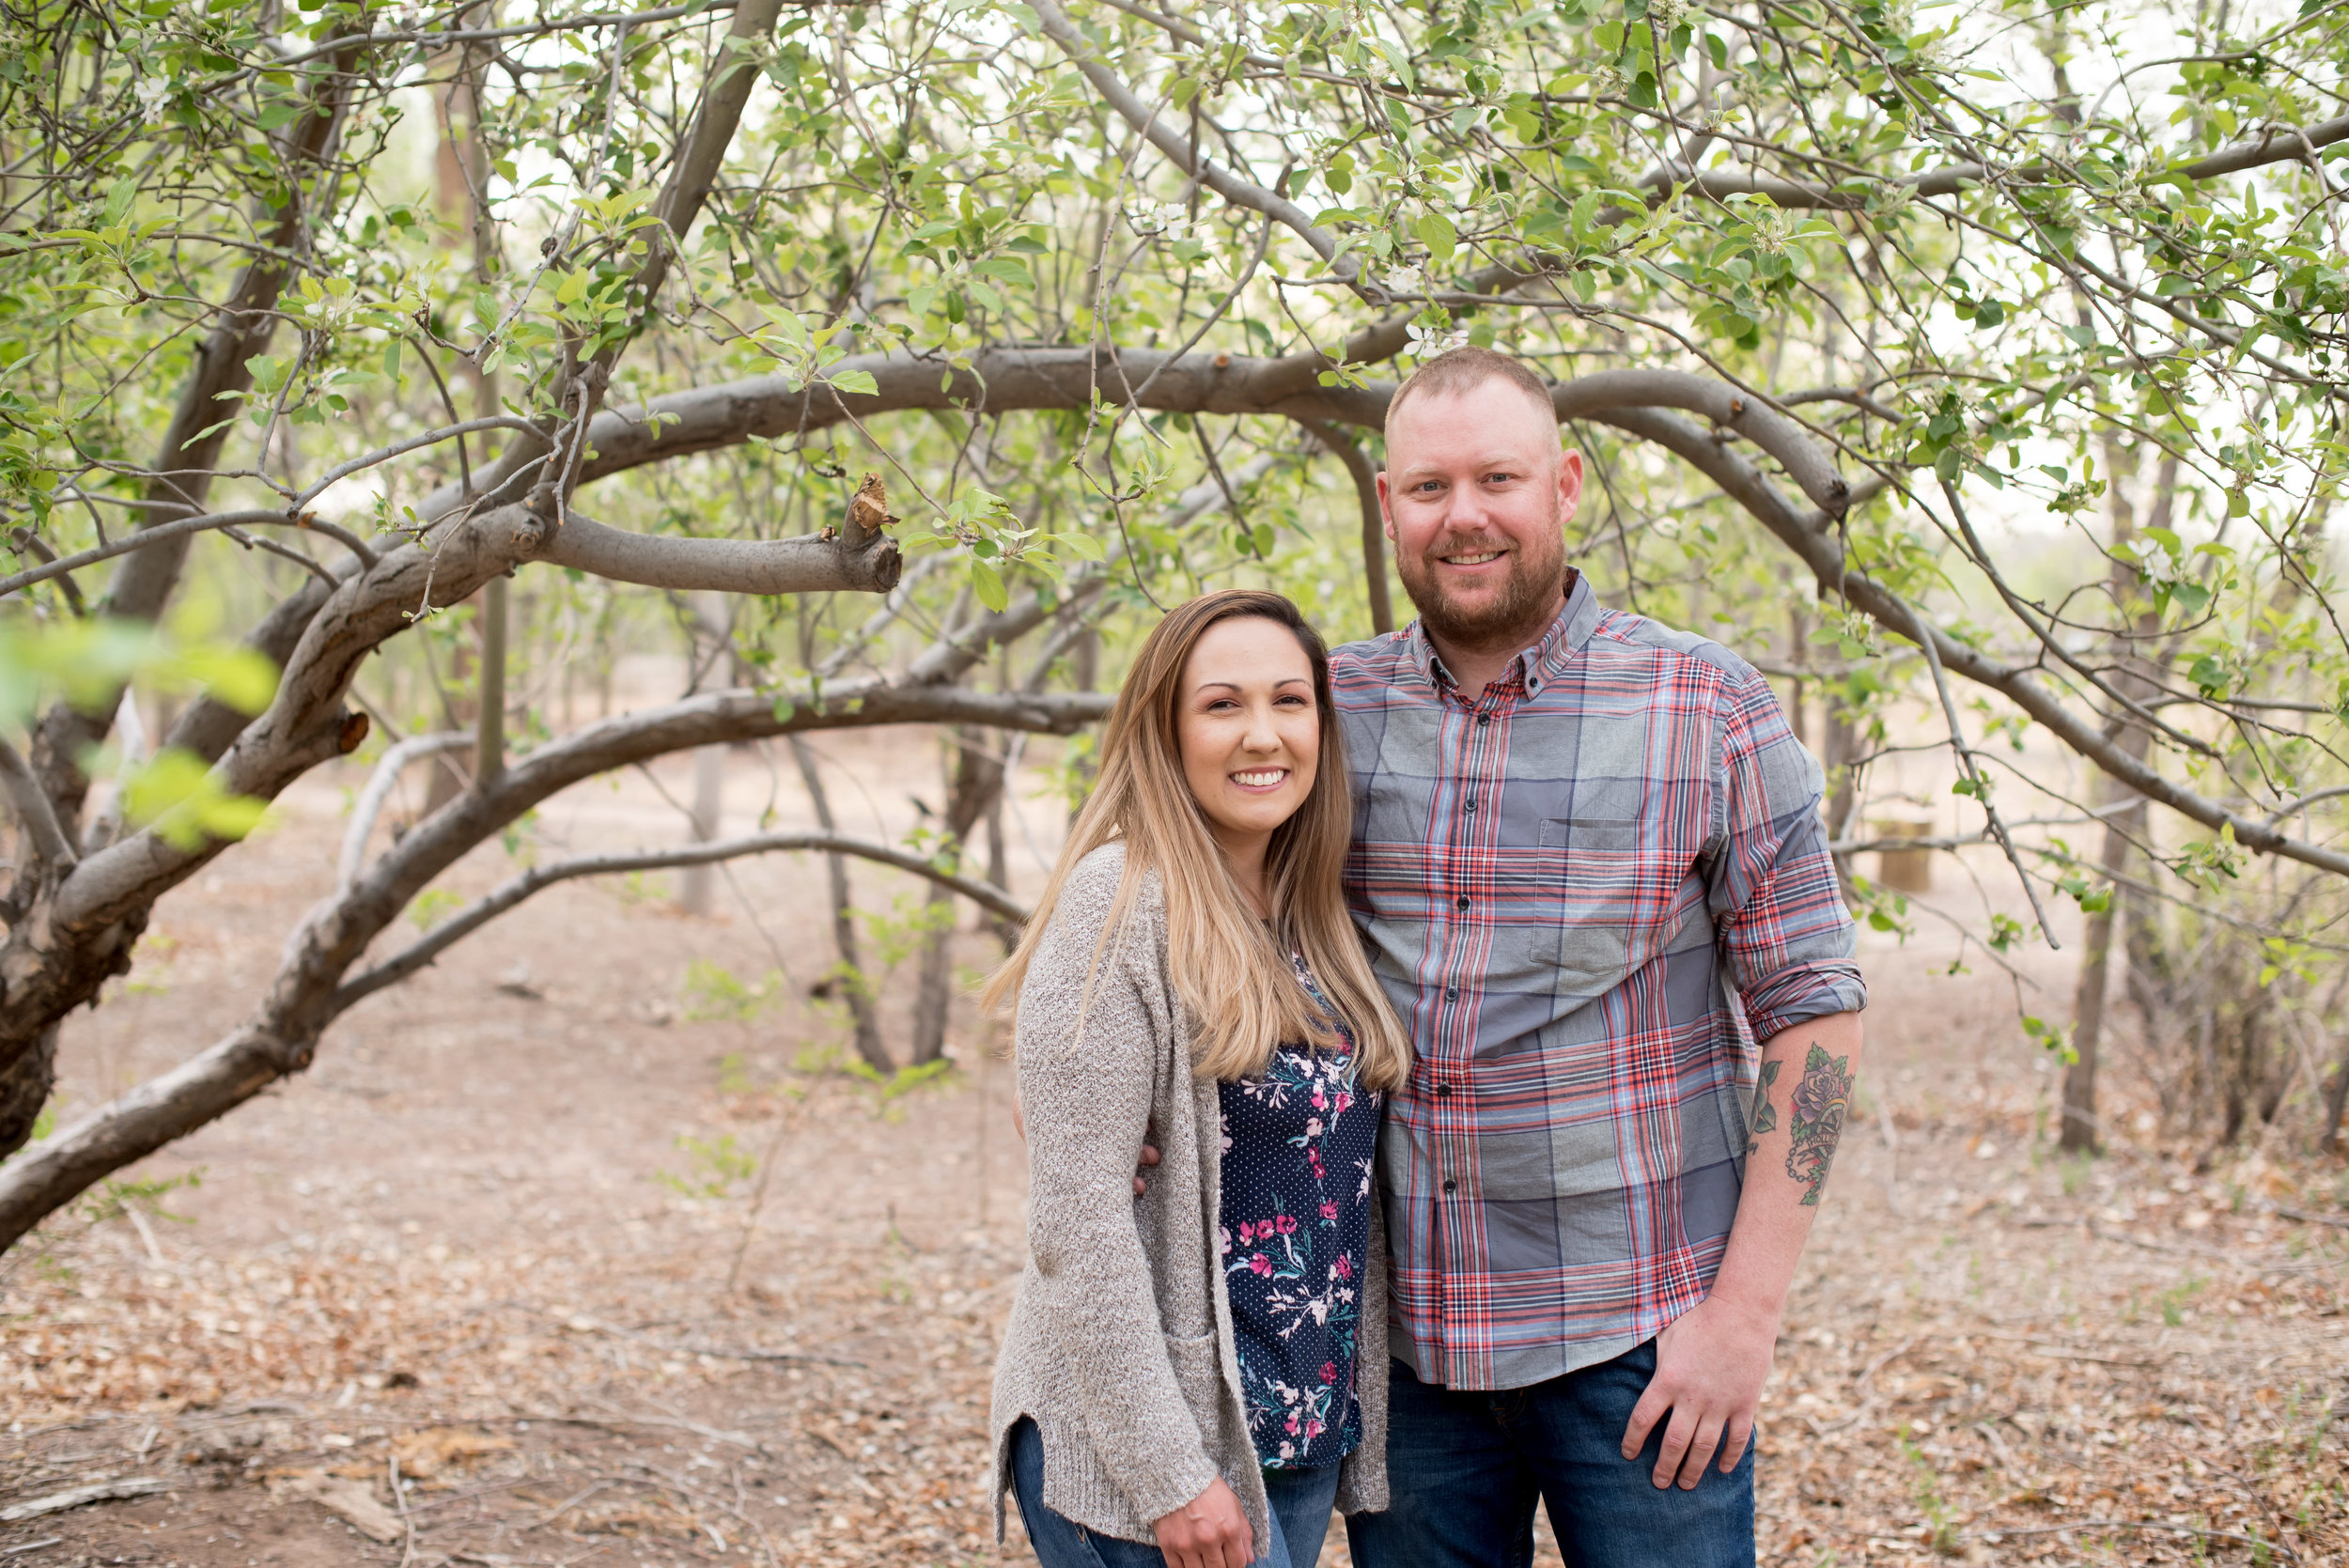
[(1250, 730)]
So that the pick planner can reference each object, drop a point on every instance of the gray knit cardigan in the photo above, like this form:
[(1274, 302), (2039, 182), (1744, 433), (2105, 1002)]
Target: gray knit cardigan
[(1120, 1345)]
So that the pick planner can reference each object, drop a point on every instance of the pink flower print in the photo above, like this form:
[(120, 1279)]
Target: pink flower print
[(1260, 1265), (1321, 1100), (1329, 1372), (1224, 1240), (1344, 1266), (1330, 1212), (1292, 1424), (1246, 1233), (1313, 1429), (1287, 1224)]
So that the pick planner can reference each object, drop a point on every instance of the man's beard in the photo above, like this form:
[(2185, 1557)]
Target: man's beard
[(1525, 605)]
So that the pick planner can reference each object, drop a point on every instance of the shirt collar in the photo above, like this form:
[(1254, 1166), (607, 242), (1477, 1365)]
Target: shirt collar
[(1539, 664)]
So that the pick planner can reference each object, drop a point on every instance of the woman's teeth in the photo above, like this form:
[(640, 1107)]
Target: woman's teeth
[(1265, 779)]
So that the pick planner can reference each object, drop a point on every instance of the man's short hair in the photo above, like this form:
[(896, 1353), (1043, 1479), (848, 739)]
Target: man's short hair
[(1464, 369)]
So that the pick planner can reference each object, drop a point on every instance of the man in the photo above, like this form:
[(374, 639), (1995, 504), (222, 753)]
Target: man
[(1589, 858)]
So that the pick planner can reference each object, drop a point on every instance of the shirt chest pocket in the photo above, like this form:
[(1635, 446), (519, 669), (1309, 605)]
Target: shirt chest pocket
[(1604, 871)]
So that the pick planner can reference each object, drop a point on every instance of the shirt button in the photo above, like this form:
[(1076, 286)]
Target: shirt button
[(1483, 719), (1471, 806), (1451, 993), (1461, 902), (1443, 1091), (1452, 1186)]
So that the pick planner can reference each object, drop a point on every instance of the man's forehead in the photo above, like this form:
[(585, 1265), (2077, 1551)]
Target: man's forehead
[(1453, 437), (1491, 412)]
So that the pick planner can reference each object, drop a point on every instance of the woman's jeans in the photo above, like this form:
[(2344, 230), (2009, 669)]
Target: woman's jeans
[(1301, 1502)]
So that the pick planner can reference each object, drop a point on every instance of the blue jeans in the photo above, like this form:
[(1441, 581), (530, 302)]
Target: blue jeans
[(1301, 1502), (1464, 1470)]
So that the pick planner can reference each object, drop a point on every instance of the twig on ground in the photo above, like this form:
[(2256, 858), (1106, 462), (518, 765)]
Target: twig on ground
[(74, 1497)]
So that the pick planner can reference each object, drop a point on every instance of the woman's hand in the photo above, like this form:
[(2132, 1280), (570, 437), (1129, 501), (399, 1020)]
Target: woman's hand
[(1209, 1531)]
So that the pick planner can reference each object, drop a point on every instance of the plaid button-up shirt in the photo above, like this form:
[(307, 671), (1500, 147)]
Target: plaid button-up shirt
[(1590, 890)]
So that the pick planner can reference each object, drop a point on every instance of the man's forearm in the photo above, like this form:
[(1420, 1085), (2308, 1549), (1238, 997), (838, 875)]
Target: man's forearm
[(1806, 1091)]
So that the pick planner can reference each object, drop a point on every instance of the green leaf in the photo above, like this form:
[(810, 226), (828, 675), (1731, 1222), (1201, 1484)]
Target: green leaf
[(987, 584), (856, 381), (1436, 233)]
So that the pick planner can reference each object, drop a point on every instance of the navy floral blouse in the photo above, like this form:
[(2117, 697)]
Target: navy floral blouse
[(1299, 1144)]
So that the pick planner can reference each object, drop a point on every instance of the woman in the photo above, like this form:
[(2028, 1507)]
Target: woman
[(1196, 1375)]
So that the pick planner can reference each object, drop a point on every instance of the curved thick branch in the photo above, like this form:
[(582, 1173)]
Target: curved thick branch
[(283, 1036), (810, 564), (473, 916), (1006, 379), (1814, 538)]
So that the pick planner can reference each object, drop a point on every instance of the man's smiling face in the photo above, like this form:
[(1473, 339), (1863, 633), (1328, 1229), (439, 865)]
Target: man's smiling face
[(1477, 495)]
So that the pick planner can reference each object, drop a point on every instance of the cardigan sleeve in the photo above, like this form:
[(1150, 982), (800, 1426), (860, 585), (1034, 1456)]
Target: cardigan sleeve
[(1092, 1026)]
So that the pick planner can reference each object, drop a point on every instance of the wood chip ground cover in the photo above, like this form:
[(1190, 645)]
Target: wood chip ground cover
[(453, 1272)]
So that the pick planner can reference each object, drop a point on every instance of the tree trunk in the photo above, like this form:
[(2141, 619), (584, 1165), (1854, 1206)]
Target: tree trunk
[(2123, 823), (698, 886), (2335, 1103), (977, 781), (849, 976)]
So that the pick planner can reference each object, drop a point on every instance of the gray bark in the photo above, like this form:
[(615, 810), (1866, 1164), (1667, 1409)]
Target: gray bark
[(852, 985)]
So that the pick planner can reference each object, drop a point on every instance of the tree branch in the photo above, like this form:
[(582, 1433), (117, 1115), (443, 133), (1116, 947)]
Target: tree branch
[(1812, 539), (31, 802), (1365, 477), (379, 784), (507, 894), (812, 565), (1188, 158), (1003, 380), (2277, 144)]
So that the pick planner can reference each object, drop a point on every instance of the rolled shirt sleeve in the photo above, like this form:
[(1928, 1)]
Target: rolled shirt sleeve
[(1775, 903)]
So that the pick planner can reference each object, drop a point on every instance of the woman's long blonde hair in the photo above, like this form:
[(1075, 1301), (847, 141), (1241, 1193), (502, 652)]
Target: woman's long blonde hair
[(1231, 970)]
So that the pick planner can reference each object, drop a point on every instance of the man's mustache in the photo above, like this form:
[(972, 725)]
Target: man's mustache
[(1465, 544)]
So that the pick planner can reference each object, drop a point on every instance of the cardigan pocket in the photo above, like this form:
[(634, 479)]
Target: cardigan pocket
[(1198, 1362)]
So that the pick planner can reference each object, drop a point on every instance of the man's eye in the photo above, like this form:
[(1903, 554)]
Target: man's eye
[(1498, 479)]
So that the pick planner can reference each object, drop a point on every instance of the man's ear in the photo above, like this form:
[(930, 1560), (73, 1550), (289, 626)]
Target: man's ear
[(1569, 486), (1386, 505)]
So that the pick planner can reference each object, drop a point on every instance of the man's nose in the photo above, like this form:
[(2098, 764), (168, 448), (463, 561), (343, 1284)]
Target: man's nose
[(1464, 511)]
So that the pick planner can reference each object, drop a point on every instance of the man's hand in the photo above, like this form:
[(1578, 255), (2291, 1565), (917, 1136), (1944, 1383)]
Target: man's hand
[(1149, 1155), (1710, 1366), (1209, 1531)]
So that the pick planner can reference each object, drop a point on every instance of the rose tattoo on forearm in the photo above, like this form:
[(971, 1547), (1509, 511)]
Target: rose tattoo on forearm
[(1819, 1102)]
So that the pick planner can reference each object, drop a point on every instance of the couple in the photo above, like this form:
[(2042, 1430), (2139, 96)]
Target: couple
[(1480, 1007)]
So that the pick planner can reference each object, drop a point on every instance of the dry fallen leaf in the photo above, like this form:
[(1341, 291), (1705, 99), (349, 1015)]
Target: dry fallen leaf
[(425, 1454)]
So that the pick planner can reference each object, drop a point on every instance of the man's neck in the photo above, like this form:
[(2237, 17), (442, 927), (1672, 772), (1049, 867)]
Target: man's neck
[(1476, 665)]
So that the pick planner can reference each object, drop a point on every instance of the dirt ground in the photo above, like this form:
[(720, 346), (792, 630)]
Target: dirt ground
[(576, 1249)]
